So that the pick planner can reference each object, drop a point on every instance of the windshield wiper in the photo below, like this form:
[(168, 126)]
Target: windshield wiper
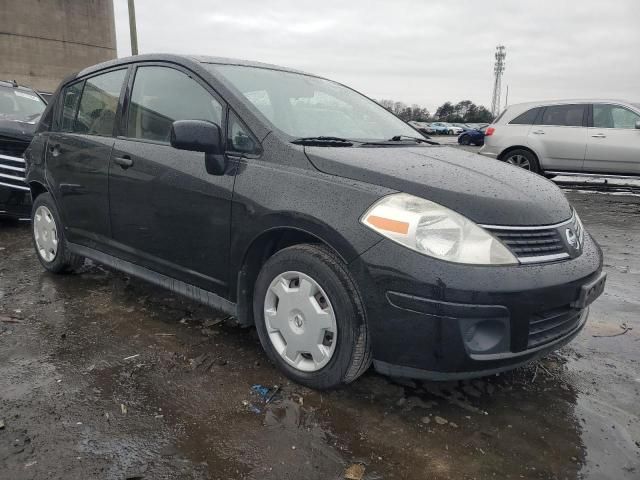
[(324, 141), (398, 138)]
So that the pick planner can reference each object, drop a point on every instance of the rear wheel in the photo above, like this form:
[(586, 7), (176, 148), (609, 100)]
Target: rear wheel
[(309, 317), (523, 159), (48, 237)]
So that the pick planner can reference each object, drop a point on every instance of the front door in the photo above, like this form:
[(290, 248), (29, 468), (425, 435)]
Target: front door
[(167, 213), (560, 138), (78, 152), (613, 141)]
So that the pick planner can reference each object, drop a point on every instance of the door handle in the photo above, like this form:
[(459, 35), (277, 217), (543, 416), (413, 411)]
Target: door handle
[(55, 149), (538, 132), (124, 161), (599, 135)]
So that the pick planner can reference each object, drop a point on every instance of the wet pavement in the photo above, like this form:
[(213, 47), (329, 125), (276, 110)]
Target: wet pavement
[(104, 376)]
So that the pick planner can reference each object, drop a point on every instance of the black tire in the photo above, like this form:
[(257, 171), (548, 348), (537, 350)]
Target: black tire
[(64, 261), (352, 355), (450, 132), (464, 140), (534, 166)]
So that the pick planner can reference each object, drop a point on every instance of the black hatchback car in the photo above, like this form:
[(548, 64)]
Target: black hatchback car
[(303, 207)]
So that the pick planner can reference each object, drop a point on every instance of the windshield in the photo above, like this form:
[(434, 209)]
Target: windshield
[(20, 105), (303, 106)]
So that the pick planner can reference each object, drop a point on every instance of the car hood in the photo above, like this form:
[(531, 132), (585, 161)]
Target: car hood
[(486, 191), (17, 130)]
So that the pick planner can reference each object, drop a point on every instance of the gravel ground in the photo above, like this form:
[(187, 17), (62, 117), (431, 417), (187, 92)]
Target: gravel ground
[(104, 376)]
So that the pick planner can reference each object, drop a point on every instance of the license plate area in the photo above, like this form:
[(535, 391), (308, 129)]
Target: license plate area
[(590, 291)]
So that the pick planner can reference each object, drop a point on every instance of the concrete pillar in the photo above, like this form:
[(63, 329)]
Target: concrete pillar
[(43, 41)]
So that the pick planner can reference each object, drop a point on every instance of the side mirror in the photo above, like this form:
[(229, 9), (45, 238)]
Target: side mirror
[(196, 136), (200, 136), (638, 124)]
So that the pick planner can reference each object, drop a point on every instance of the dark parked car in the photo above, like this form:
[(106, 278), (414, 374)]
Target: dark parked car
[(303, 207), (474, 136), (20, 110)]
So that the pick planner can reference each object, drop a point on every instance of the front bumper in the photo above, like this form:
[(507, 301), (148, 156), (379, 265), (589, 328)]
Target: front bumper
[(439, 320)]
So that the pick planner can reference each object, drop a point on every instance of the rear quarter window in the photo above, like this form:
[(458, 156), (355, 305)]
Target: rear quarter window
[(526, 118)]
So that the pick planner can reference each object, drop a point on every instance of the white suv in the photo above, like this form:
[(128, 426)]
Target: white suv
[(568, 136)]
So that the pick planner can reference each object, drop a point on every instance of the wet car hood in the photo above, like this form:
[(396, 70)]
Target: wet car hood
[(17, 130), (484, 190)]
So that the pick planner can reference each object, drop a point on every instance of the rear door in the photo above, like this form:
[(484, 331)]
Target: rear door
[(167, 213), (613, 142), (78, 154), (559, 136)]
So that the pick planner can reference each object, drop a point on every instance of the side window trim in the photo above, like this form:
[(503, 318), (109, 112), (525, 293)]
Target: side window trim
[(123, 92), (123, 125)]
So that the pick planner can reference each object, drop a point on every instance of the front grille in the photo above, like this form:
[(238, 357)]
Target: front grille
[(12, 172), (532, 243), (541, 244), (12, 147), (548, 325)]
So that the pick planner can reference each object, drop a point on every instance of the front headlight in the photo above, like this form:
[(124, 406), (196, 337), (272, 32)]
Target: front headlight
[(434, 230)]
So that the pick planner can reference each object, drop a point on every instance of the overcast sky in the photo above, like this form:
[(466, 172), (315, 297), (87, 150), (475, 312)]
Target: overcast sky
[(424, 52)]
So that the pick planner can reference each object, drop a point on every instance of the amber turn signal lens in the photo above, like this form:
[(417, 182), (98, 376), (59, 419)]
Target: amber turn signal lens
[(389, 225)]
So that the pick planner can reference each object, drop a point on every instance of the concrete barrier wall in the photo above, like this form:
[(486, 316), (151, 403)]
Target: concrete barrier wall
[(43, 41)]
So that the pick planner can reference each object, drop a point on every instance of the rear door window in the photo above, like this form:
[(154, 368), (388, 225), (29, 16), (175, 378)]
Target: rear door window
[(526, 118), (162, 95), (564, 115), (614, 116), (99, 104)]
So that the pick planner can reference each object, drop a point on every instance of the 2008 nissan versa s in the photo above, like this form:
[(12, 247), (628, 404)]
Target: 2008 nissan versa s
[(301, 206)]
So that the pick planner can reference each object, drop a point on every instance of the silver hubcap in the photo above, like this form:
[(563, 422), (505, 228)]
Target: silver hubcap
[(300, 321), (45, 233), (519, 161)]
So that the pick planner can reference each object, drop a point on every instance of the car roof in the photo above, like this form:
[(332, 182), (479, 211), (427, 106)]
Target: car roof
[(570, 101), (515, 109), (183, 59)]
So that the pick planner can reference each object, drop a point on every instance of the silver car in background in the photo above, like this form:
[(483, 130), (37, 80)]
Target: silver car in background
[(568, 136)]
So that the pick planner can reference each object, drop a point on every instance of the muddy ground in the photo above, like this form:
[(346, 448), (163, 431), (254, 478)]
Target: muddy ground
[(103, 376)]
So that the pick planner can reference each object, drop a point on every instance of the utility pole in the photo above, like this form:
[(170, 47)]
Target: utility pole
[(132, 28), (506, 98), (498, 70)]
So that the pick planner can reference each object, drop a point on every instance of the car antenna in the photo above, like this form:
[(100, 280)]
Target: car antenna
[(14, 83)]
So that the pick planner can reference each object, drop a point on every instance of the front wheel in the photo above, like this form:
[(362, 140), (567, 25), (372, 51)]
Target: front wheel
[(523, 159), (464, 140), (310, 318), (48, 237)]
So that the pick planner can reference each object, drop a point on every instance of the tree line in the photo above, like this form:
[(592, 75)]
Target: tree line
[(461, 112)]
